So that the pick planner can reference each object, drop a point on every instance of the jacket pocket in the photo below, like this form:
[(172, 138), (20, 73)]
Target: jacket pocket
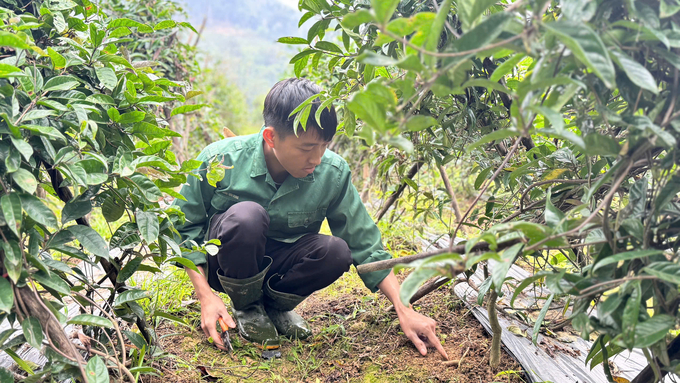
[(305, 218), (222, 200)]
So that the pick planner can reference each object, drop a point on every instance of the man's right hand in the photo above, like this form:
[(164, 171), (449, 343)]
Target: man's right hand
[(212, 308)]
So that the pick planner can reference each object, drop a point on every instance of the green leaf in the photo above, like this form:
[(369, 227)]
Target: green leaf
[(11, 40), (76, 208), (637, 73), (669, 272), (6, 376), (91, 320), (483, 289), (652, 330), (587, 46), (419, 122), (131, 117), (148, 189), (23, 147), (37, 210), (553, 216), (25, 180), (7, 70), (151, 131), (125, 22), (96, 371), (129, 269), (541, 316), (45, 131), (436, 29), (601, 145), (91, 240), (170, 317), (6, 296), (165, 24), (52, 281), (112, 209), (384, 9), (469, 11), (292, 40), (11, 211), (366, 108), (667, 193), (107, 77), (120, 32), (186, 109), (493, 136), (215, 173), (484, 33), (301, 55), (627, 256), (22, 363), (352, 20), (184, 262), (500, 269), (413, 282), (61, 83), (130, 296), (526, 282), (328, 46), (630, 314), (32, 332), (147, 223), (38, 113), (58, 61), (481, 177), (507, 66)]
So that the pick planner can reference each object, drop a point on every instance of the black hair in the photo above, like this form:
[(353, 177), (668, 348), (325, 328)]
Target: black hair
[(285, 96)]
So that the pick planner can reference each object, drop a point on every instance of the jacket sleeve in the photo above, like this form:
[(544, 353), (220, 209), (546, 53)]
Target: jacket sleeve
[(349, 220), (198, 194)]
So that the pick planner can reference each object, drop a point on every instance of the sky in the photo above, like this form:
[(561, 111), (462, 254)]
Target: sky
[(290, 3)]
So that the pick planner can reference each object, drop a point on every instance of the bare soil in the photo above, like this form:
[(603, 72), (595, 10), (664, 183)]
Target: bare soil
[(355, 340)]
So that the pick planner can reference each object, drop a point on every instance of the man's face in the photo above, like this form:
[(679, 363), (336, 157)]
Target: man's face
[(299, 155)]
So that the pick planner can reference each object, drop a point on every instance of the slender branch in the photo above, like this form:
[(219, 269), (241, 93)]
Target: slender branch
[(116, 361), (604, 202), (486, 185), (539, 183), (452, 54), (459, 249), (606, 285)]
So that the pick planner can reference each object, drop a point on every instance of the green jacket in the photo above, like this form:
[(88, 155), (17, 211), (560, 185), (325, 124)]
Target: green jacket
[(298, 207)]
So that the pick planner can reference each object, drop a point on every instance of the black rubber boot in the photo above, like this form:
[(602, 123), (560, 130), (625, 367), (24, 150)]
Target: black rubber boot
[(251, 319), (279, 307)]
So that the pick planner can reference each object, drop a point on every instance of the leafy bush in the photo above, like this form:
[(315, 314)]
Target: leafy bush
[(83, 90), (568, 108)]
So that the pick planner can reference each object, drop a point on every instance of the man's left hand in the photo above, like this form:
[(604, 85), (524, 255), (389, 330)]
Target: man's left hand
[(421, 331)]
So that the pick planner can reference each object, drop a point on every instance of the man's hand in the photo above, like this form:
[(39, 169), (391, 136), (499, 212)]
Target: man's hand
[(212, 308), (421, 331), (417, 327)]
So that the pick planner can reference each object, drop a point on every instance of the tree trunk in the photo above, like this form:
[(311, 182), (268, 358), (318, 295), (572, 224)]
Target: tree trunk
[(495, 358), (49, 324)]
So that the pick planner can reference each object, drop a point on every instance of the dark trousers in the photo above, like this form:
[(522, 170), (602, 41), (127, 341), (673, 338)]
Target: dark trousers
[(307, 265)]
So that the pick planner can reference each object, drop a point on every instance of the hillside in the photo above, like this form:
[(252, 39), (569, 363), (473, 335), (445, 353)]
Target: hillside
[(239, 39)]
